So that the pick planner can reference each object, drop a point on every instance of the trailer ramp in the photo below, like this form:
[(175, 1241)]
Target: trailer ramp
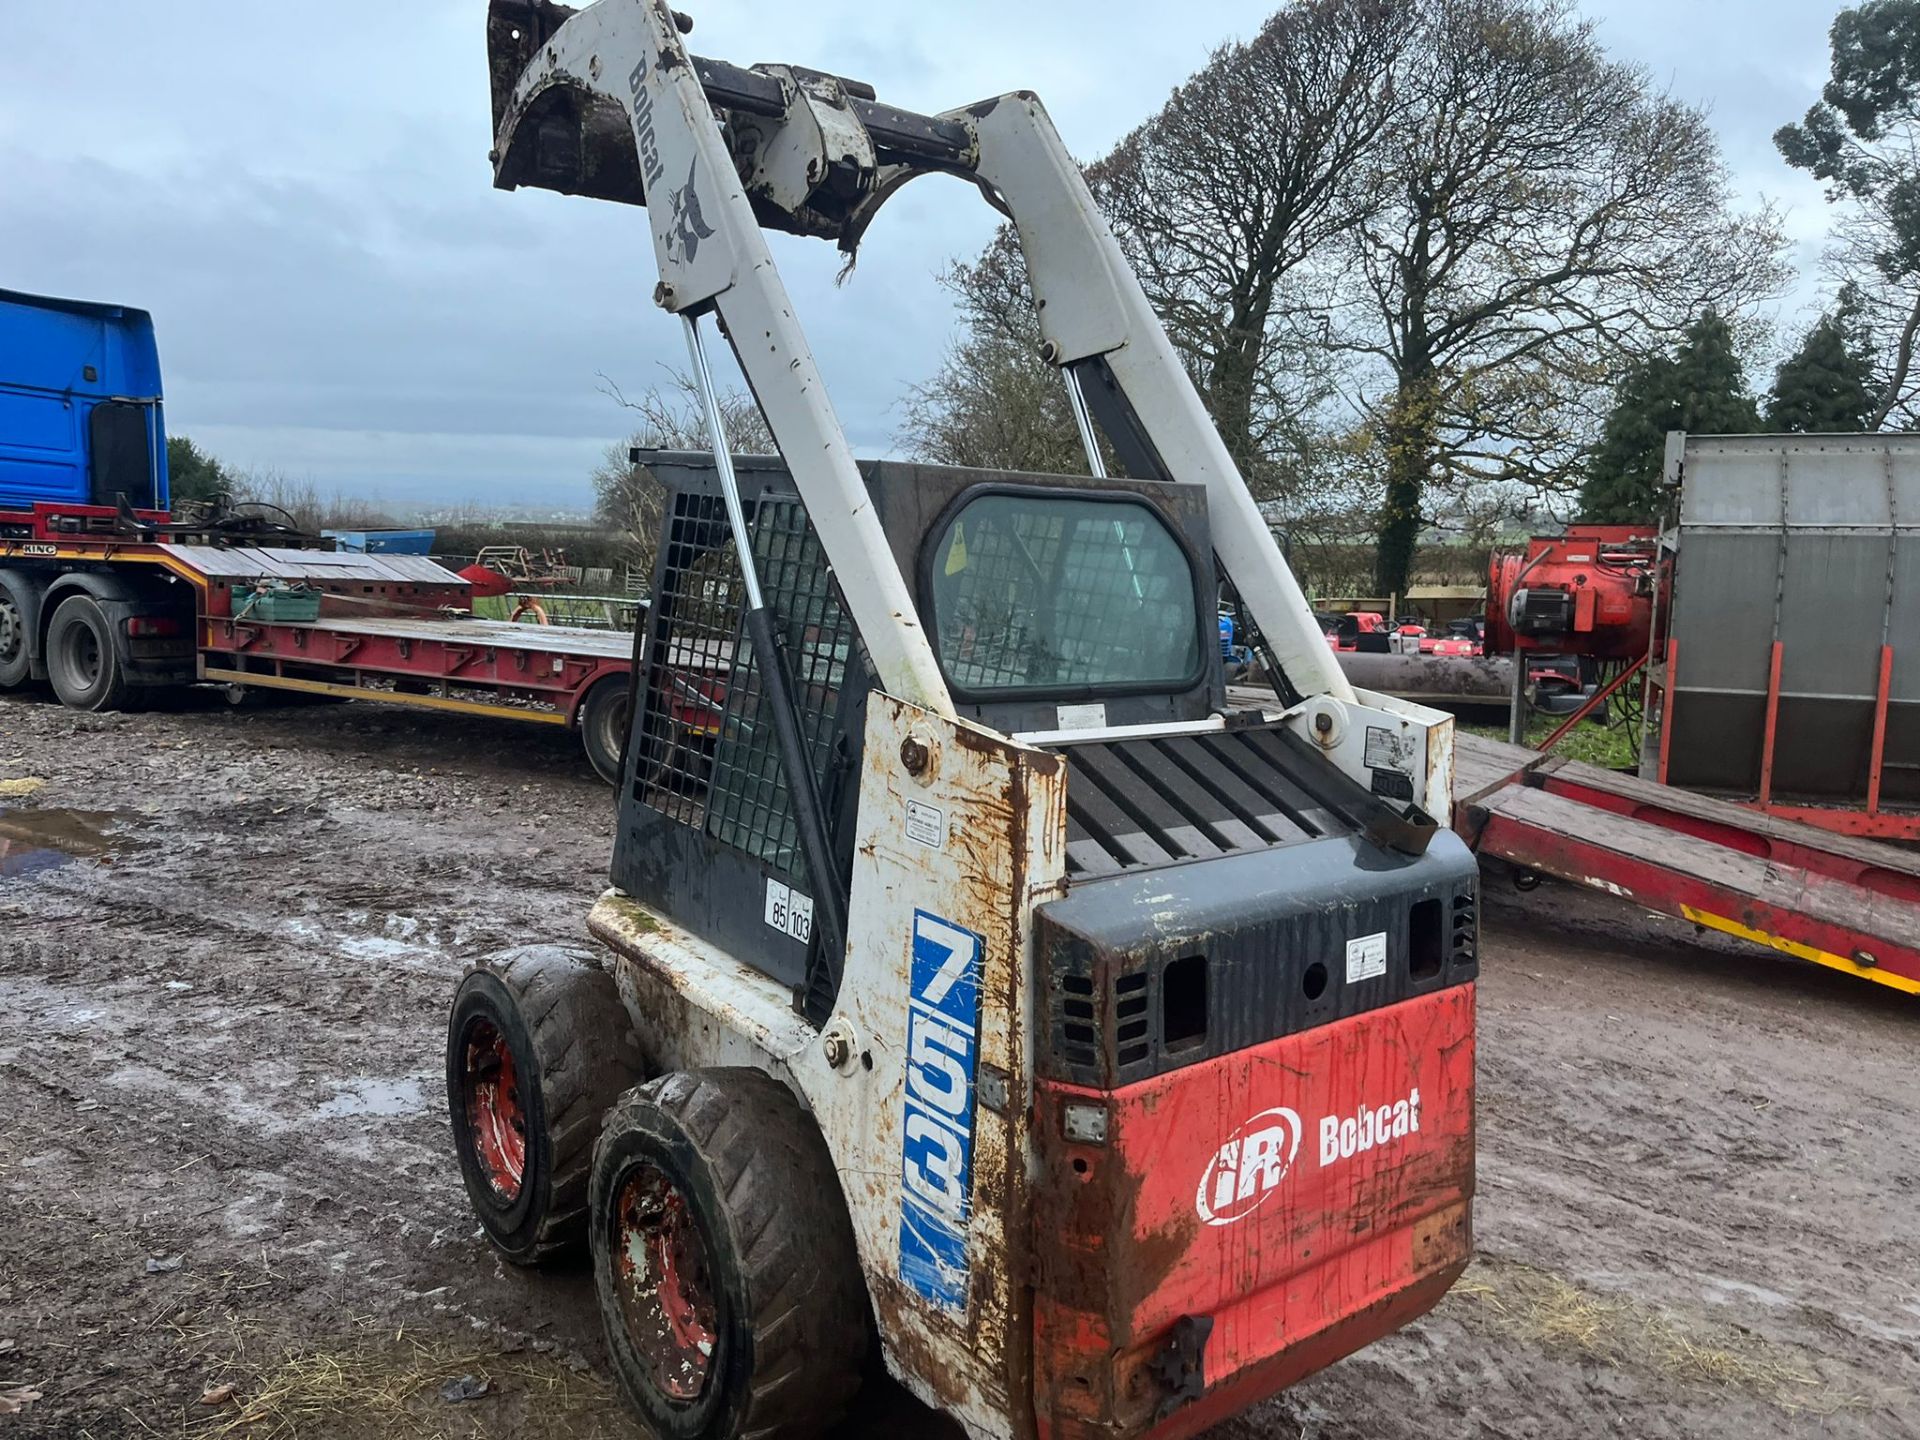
[(1852, 905)]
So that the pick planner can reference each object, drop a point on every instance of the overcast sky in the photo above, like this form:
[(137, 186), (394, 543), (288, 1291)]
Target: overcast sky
[(301, 196)]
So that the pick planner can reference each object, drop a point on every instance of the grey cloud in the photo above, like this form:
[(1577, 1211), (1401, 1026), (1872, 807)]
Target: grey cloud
[(301, 197)]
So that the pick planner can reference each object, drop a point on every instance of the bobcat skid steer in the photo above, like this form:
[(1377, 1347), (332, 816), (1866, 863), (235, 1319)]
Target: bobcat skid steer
[(980, 989)]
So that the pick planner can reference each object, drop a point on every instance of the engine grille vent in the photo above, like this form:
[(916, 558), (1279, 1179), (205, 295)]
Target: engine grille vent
[(1135, 804), (1466, 930)]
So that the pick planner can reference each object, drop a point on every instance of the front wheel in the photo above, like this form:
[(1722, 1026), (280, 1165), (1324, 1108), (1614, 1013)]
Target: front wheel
[(729, 1283), (538, 1049), (16, 656)]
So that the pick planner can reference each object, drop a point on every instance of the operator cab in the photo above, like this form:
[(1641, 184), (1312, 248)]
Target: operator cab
[(1060, 608)]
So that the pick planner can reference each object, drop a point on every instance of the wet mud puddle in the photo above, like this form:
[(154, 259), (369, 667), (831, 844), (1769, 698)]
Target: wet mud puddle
[(35, 841)]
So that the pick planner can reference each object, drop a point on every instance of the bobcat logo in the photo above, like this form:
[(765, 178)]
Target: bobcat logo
[(689, 225)]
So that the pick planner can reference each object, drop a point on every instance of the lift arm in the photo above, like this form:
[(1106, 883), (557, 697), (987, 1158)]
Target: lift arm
[(607, 102), (713, 256)]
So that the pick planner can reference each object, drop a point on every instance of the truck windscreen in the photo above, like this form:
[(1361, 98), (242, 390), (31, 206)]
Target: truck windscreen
[(1034, 593)]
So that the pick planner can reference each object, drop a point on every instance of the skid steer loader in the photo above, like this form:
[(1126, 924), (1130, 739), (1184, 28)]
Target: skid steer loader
[(980, 988)]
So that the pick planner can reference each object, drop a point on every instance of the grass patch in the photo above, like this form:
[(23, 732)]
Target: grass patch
[(1523, 1302), (1612, 746), (392, 1389)]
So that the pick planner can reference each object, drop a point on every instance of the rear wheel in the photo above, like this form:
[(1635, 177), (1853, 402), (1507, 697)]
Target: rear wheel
[(604, 716), (16, 666), (82, 662), (729, 1283), (538, 1049)]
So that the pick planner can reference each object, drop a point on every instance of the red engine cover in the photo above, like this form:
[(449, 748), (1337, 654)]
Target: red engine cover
[(1307, 1196)]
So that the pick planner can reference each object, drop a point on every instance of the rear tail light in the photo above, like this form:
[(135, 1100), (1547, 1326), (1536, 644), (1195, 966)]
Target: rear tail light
[(151, 627)]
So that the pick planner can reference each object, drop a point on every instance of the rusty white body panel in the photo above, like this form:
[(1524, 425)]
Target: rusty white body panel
[(1430, 732), (693, 1004), (1002, 852)]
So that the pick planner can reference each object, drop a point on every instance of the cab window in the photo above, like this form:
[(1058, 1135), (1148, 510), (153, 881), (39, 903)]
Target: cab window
[(1039, 593)]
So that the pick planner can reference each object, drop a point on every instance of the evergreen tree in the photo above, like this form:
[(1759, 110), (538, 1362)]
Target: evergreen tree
[(1827, 386), (1863, 139), (193, 474), (1702, 388)]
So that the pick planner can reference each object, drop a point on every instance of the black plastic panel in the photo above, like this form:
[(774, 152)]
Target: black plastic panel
[(1268, 930)]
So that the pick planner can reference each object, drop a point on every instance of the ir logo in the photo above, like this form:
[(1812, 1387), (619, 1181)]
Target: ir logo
[(1246, 1171)]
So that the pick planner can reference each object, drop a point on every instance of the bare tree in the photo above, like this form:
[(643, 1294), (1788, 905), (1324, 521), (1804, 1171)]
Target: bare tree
[(993, 403), (1243, 176), (1216, 201), (300, 503), (1547, 215), (627, 497)]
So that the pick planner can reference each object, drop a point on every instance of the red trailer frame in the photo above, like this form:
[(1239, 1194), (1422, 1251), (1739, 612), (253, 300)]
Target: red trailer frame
[(392, 628), (1847, 903)]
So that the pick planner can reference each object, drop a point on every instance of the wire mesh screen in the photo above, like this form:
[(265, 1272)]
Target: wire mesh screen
[(710, 755), (750, 808), (1035, 592), (696, 634)]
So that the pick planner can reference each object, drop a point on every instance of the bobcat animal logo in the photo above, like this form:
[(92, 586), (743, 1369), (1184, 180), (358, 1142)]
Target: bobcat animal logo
[(689, 225)]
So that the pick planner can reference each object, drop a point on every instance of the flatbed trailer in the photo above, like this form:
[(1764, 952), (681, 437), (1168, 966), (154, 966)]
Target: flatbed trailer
[(152, 613), (1849, 904)]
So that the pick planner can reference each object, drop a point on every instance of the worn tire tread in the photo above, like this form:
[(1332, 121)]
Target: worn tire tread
[(586, 1056), (810, 1319)]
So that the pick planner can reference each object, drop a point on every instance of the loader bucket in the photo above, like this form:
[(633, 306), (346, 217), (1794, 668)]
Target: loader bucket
[(563, 137)]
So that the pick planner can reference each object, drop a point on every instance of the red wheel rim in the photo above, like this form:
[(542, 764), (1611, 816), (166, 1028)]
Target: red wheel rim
[(665, 1287), (496, 1116)]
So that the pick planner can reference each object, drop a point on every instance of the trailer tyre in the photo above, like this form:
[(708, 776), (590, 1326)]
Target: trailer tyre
[(604, 717), (538, 1049), (729, 1283), (16, 650), (82, 661)]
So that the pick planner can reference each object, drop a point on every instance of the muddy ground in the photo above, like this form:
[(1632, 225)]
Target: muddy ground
[(227, 939)]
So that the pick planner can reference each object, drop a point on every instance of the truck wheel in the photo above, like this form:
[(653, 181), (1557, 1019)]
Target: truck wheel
[(729, 1283), (16, 655), (82, 662), (604, 716), (538, 1049)]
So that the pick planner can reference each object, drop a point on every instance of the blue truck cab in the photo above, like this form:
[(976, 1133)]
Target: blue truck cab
[(81, 420)]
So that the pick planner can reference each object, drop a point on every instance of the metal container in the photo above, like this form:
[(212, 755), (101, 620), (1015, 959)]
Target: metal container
[(1792, 660)]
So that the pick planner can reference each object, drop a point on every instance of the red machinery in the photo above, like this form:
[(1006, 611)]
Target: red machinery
[(1753, 567), (1570, 608), (1588, 592)]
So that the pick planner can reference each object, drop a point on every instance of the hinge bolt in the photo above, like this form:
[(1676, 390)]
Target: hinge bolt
[(915, 756)]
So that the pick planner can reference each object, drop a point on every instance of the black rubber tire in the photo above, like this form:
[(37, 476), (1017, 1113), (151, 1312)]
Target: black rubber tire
[(574, 1054), (793, 1323), (16, 652), (82, 662), (604, 717)]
